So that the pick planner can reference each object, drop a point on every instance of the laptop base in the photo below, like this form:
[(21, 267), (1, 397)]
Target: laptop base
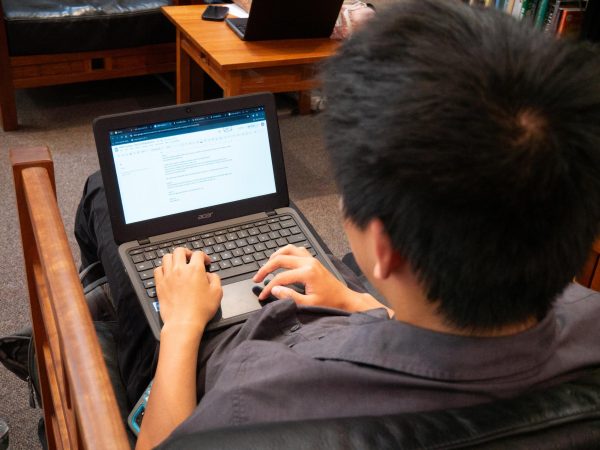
[(238, 26)]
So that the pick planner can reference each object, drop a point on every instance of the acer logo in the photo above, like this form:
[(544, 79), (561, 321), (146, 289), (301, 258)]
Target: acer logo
[(205, 216)]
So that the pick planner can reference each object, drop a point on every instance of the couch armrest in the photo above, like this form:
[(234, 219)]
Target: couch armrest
[(79, 404)]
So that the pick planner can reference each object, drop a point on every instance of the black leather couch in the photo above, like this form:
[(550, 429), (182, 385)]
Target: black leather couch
[(566, 416), (64, 41), (563, 417), (50, 27)]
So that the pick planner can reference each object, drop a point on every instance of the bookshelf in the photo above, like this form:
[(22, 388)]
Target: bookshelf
[(565, 18)]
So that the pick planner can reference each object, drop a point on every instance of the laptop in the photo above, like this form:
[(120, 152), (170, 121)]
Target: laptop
[(284, 19), (208, 176)]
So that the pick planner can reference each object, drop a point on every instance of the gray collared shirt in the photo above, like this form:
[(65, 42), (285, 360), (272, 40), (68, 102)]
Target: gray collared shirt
[(290, 363)]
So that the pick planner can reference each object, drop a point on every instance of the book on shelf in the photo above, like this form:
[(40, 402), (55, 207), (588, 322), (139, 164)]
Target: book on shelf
[(542, 13), (556, 11), (552, 19), (528, 9), (516, 9), (563, 17), (570, 21)]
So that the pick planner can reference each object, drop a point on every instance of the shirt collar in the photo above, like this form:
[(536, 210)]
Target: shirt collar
[(401, 347)]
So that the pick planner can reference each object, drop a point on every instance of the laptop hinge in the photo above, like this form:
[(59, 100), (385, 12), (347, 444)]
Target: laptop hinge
[(271, 213), (143, 241)]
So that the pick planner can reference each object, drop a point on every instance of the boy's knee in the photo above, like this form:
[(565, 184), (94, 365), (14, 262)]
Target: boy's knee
[(93, 183)]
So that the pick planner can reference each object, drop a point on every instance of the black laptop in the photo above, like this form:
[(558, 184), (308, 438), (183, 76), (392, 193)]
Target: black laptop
[(285, 19), (208, 176)]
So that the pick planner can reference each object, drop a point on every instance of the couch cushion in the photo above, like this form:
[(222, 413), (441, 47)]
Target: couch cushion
[(46, 26)]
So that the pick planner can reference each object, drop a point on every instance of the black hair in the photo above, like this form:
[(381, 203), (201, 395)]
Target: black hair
[(476, 140)]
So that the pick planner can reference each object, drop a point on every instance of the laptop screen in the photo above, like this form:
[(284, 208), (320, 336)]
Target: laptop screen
[(192, 163)]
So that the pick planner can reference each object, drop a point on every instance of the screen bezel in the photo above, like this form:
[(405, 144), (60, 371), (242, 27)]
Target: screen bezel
[(142, 230)]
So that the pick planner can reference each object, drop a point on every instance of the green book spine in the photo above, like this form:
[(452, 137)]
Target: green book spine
[(528, 10), (542, 12), (525, 7)]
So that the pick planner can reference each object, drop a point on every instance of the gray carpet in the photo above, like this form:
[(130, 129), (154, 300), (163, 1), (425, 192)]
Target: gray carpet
[(60, 118)]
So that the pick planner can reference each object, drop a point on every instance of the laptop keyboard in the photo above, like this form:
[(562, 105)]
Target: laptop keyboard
[(233, 251), (240, 24), (241, 27)]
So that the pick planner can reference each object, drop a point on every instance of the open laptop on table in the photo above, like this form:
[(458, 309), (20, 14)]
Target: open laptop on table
[(284, 19), (207, 176)]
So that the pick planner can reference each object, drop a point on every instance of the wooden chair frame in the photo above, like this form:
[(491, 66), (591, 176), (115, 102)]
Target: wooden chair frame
[(18, 72), (80, 409), (79, 403)]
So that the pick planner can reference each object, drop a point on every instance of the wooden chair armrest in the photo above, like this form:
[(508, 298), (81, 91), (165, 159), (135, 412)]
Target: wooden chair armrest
[(79, 404)]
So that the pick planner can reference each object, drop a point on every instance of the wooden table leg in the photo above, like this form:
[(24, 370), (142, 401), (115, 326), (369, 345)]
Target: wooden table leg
[(8, 106), (8, 109), (233, 80), (304, 102), (197, 82), (183, 73)]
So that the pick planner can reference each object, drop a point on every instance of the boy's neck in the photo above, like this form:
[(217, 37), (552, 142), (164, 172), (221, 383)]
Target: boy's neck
[(411, 306)]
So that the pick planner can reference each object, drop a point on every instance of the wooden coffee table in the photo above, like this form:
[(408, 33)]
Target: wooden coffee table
[(241, 67)]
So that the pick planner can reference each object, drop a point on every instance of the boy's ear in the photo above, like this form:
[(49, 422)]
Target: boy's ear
[(387, 259)]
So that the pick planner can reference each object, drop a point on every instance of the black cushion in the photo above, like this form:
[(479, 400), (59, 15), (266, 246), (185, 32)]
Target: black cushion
[(37, 27), (562, 417)]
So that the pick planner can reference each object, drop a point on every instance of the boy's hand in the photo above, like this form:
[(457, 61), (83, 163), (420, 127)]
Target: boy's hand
[(321, 288), (188, 296)]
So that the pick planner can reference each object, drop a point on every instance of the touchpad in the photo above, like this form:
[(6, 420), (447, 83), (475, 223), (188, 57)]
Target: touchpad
[(238, 298)]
